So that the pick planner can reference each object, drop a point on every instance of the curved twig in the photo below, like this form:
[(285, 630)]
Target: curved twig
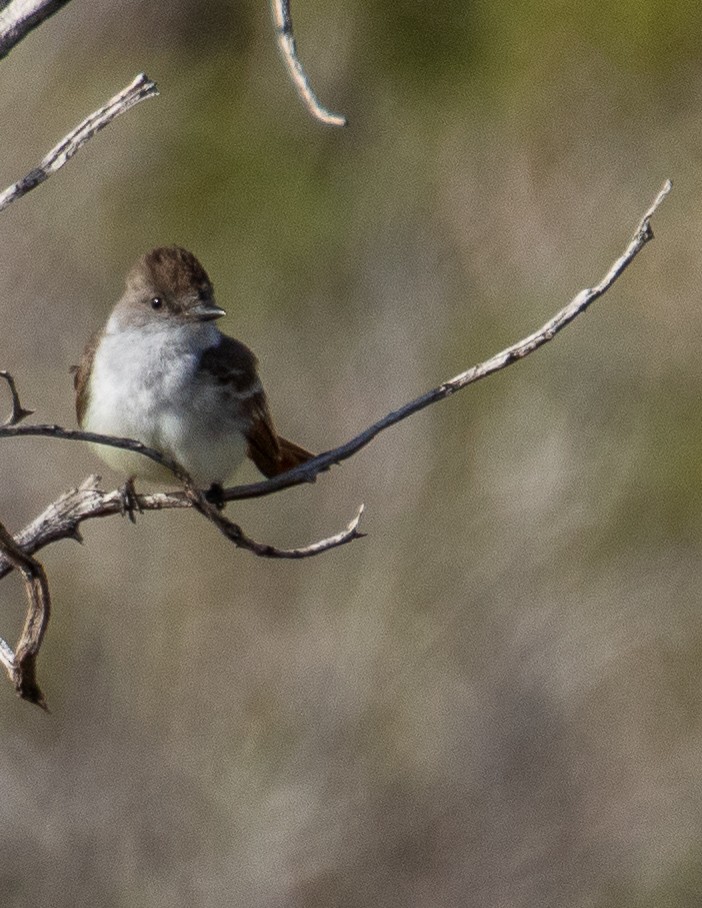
[(19, 17), (21, 664), (233, 532), (288, 49)]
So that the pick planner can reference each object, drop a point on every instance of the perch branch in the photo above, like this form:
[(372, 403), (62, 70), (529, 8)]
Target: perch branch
[(288, 49), (128, 444), (308, 471), (61, 519), (21, 664), (19, 17), (141, 88)]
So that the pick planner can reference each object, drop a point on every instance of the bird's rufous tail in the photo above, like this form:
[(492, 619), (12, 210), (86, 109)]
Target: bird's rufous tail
[(290, 455)]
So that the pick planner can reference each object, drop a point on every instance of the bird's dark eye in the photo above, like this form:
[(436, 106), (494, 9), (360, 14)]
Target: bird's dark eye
[(156, 302)]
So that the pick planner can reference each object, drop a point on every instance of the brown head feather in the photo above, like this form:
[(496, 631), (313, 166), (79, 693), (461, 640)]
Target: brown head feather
[(170, 271)]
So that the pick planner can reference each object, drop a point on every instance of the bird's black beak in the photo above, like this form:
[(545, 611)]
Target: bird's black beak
[(206, 311)]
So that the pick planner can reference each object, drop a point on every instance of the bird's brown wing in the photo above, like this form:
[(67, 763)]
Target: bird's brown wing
[(262, 442), (81, 373), (234, 365), (271, 453)]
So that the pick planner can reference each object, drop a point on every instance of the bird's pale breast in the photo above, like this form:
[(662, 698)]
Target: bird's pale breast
[(146, 384)]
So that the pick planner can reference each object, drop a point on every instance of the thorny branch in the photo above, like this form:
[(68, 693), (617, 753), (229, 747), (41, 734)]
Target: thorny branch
[(141, 88), (288, 49)]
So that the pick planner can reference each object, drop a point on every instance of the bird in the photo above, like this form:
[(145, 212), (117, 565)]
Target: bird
[(161, 372)]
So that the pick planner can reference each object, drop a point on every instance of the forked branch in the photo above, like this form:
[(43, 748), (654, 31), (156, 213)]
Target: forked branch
[(62, 519)]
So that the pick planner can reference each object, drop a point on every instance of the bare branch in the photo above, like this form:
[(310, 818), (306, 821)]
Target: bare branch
[(141, 88), (21, 665), (111, 441), (18, 411), (235, 534), (308, 471), (288, 48), (62, 519), (19, 17)]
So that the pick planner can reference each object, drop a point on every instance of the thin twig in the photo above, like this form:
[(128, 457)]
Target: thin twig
[(141, 88), (18, 411), (21, 665), (19, 17), (235, 534), (288, 48)]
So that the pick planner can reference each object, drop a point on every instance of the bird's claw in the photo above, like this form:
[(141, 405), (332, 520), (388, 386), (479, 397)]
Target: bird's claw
[(215, 495), (129, 500)]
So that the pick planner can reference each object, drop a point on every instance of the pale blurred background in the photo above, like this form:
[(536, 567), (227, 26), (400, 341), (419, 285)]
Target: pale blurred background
[(494, 700)]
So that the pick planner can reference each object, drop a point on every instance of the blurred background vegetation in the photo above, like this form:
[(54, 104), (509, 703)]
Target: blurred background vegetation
[(493, 700)]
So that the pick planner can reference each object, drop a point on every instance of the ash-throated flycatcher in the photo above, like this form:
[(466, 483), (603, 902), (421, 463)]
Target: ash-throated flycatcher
[(162, 373)]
